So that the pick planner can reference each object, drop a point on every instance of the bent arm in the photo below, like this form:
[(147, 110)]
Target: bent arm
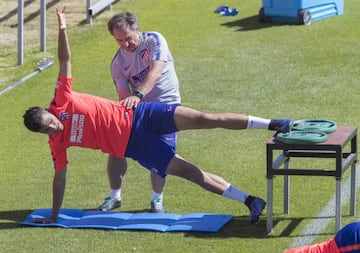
[(156, 68), (64, 53)]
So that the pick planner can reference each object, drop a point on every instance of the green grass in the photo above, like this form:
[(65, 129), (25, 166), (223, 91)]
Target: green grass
[(224, 64)]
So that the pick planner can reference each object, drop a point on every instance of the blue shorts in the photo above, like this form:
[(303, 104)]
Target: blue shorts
[(152, 140)]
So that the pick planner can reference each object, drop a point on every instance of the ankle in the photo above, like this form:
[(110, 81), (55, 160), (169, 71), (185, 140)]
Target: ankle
[(249, 200)]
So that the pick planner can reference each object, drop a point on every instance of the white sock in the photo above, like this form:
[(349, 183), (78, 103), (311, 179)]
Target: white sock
[(232, 192), (116, 193), (257, 123), (156, 195)]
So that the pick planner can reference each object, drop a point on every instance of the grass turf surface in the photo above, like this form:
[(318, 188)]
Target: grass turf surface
[(224, 64)]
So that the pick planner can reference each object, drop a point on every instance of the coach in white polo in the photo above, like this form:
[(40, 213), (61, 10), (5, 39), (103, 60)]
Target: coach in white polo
[(143, 70)]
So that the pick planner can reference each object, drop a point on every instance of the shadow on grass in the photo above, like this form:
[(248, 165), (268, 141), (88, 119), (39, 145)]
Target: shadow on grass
[(249, 24), (29, 17), (11, 219), (240, 227), (14, 12)]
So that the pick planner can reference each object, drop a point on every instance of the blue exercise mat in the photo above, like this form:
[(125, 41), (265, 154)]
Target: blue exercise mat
[(166, 222)]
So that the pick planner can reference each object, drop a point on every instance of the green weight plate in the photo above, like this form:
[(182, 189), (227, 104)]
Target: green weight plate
[(325, 126), (302, 137)]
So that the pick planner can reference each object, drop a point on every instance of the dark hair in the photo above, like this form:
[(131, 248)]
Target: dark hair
[(121, 21), (33, 117)]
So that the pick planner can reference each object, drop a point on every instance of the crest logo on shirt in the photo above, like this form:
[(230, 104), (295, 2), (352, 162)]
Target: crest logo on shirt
[(64, 116), (145, 54)]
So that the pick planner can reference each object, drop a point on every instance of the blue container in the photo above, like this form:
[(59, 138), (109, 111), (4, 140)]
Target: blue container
[(299, 11)]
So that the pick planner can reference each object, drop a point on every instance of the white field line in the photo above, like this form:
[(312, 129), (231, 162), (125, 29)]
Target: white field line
[(308, 235)]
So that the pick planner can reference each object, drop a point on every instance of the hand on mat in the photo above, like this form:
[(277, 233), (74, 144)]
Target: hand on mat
[(42, 220)]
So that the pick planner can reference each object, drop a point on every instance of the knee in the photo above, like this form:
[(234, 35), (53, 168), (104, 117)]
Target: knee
[(117, 164)]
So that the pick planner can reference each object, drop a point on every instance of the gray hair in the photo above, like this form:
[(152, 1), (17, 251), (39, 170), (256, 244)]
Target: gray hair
[(121, 21)]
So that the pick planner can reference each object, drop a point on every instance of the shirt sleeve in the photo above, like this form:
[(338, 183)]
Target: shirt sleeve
[(158, 46), (62, 89), (327, 246), (58, 152), (57, 145), (119, 78)]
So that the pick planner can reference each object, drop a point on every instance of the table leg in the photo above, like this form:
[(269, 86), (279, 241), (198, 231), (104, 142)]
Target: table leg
[(269, 205), (338, 204), (353, 190), (286, 188)]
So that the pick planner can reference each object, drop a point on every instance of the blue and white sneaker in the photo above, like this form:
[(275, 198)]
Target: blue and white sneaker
[(229, 12), (221, 8), (281, 125), (110, 203), (256, 206), (157, 206)]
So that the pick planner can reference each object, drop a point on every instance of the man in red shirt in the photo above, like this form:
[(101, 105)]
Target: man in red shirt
[(78, 119), (346, 240)]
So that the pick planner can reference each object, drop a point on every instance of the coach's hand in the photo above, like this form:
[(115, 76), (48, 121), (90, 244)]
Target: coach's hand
[(131, 101)]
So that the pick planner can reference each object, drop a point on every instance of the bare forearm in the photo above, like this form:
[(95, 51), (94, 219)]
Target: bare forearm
[(59, 183), (152, 77), (64, 53)]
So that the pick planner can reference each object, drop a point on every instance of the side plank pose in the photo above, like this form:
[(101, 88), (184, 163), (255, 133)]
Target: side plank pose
[(346, 240), (83, 120)]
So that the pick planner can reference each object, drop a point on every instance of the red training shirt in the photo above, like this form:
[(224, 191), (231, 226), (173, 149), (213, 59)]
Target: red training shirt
[(323, 247), (89, 122)]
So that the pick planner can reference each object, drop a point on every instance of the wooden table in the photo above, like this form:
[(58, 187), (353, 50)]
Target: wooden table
[(334, 148)]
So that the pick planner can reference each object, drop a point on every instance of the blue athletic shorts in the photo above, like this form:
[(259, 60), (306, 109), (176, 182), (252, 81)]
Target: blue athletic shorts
[(152, 140)]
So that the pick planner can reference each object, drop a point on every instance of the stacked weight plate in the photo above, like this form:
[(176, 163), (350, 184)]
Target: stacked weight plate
[(308, 131)]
